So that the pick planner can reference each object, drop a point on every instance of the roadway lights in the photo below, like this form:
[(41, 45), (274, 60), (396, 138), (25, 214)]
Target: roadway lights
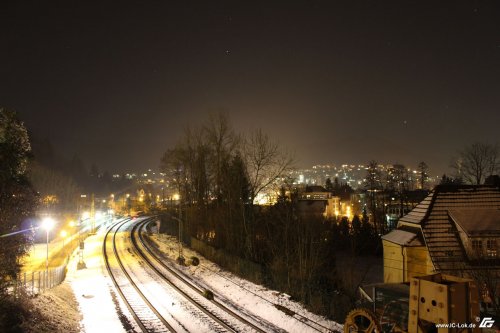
[(48, 223), (63, 236)]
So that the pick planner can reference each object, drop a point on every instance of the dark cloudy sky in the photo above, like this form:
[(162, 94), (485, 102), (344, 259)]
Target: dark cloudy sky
[(335, 81)]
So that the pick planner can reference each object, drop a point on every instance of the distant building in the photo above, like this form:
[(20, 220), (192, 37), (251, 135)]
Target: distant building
[(316, 200), (352, 174), (395, 210), (455, 230)]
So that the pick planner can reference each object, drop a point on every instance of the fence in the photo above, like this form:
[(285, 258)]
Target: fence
[(36, 282)]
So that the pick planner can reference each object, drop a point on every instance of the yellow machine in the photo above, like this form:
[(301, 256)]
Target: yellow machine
[(427, 304)]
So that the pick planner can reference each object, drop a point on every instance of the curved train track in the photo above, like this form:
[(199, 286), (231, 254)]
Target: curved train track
[(150, 319), (227, 318), (145, 314)]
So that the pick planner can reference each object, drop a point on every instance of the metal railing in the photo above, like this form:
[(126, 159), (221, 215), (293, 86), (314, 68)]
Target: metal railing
[(34, 283)]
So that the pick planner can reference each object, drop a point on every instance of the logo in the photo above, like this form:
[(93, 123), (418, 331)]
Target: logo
[(487, 322)]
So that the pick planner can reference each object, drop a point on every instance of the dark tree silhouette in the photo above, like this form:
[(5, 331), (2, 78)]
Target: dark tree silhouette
[(423, 171), (476, 162), (17, 197)]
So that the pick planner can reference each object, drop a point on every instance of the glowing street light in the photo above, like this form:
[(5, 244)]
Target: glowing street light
[(63, 236), (47, 224)]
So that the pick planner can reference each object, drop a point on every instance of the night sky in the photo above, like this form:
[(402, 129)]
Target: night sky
[(335, 81)]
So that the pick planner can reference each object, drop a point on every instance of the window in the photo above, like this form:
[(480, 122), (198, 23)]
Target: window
[(491, 248), (477, 247)]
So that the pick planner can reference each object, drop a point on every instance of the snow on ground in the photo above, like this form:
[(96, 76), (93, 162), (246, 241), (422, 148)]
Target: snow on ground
[(255, 298), (102, 310), (175, 308), (97, 300)]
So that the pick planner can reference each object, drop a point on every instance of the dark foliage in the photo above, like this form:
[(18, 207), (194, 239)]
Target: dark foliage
[(17, 197), (296, 254), (13, 313)]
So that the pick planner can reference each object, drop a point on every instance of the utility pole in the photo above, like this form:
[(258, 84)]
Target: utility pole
[(180, 258), (180, 233)]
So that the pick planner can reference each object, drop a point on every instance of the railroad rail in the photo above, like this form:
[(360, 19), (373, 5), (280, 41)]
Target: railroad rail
[(144, 313), (149, 310), (312, 324), (221, 314)]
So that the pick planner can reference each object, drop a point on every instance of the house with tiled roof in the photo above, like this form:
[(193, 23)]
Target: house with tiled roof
[(452, 231)]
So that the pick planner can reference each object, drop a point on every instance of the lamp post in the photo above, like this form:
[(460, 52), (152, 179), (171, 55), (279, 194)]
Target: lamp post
[(47, 224)]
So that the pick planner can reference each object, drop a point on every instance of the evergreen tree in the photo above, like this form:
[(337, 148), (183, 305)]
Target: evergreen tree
[(336, 186), (329, 185), (17, 197), (446, 180)]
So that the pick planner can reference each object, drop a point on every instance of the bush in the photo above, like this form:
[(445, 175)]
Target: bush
[(195, 261), (13, 313), (208, 294)]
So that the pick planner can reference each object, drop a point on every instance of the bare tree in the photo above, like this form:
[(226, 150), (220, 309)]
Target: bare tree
[(423, 170), (476, 162), (174, 164), (266, 162), (223, 141)]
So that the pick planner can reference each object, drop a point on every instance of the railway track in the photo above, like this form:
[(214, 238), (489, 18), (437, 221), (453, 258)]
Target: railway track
[(145, 314), (227, 318), (310, 323), (318, 327), (150, 289)]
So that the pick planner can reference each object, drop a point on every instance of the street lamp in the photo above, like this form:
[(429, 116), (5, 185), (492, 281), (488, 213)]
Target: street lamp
[(47, 224), (63, 236)]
